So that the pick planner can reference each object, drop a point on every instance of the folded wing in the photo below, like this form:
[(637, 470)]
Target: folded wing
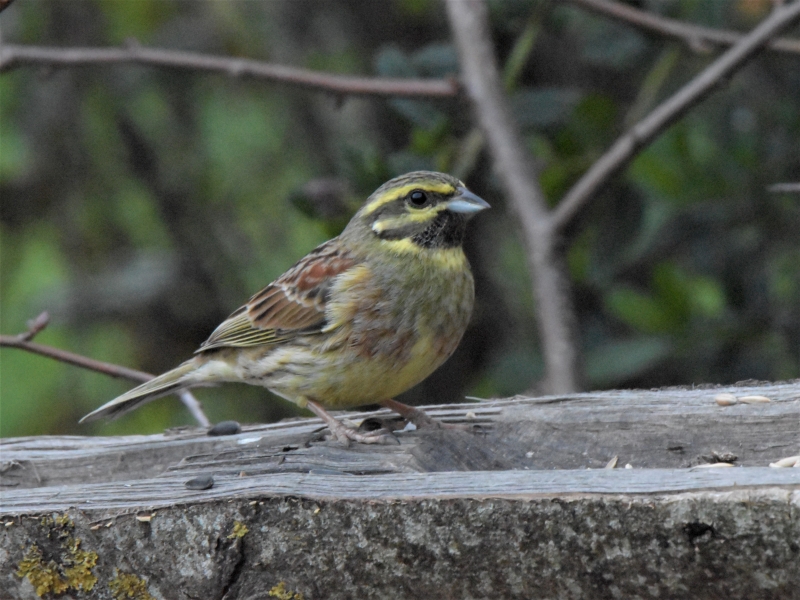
[(293, 304)]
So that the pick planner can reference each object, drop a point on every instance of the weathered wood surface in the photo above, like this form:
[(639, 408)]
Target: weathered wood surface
[(514, 511)]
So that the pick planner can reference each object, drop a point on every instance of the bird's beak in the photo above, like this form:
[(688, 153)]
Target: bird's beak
[(467, 203)]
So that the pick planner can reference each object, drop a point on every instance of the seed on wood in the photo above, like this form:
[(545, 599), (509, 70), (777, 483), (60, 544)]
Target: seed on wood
[(225, 428), (726, 399), (789, 461), (753, 399)]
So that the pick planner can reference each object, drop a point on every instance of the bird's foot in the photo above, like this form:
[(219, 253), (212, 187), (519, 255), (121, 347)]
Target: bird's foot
[(422, 420), (345, 434)]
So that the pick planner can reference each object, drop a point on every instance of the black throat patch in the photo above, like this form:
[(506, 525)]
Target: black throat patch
[(446, 231)]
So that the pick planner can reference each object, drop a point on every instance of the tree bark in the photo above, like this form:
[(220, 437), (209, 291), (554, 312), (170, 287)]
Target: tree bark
[(522, 508)]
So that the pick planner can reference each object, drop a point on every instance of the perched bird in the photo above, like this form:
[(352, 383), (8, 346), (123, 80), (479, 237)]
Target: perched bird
[(360, 319)]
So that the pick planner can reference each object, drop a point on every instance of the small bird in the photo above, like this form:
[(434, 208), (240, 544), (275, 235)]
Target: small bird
[(360, 319)]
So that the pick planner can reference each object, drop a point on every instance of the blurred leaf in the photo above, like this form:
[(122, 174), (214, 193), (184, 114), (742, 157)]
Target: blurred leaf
[(545, 106), (435, 60), (416, 8), (134, 20), (616, 361), (514, 371), (419, 113), (640, 311), (707, 297), (590, 128), (611, 44), (404, 162), (392, 62)]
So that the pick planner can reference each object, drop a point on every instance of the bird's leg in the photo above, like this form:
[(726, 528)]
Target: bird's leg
[(420, 418), (411, 414), (344, 434)]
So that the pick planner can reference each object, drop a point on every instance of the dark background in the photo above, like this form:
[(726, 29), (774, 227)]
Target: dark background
[(140, 206)]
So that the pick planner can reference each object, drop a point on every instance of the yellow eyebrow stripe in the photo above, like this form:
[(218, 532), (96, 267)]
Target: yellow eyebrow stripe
[(395, 193), (417, 216)]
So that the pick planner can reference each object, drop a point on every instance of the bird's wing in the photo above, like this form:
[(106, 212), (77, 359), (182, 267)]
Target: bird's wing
[(292, 304)]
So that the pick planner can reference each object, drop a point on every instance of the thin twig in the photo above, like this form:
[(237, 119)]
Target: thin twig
[(695, 36), (780, 188), (481, 78), (14, 341), (13, 56), (23, 341), (669, 111), (193, 405)]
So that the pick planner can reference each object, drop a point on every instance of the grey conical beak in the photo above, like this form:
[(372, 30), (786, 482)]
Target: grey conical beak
[(467, 203)]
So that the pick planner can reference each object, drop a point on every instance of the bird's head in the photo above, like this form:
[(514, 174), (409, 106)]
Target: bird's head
[(419, 210)]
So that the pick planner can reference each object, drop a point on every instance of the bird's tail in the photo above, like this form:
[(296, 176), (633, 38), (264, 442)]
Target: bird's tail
[(171, 381)]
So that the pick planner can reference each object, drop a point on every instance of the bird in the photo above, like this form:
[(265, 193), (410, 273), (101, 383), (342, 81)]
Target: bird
[(360, 319)]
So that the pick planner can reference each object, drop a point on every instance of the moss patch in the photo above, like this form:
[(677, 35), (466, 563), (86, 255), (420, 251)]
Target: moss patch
[(126, 586), (239, 530), (281, 593), (62, 565)]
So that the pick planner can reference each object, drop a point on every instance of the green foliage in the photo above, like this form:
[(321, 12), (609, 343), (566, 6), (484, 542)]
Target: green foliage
[(140, 206)]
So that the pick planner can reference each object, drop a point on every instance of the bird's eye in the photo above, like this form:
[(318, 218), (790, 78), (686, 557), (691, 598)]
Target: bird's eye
[(418, 198)]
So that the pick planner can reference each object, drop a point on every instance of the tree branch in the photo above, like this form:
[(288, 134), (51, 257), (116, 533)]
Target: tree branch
[(481, 79), (23, 342), (695, 36), (669, 111), (13, 56), (780, 188)]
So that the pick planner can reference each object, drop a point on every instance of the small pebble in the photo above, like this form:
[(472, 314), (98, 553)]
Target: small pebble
[(726, 399), (204, 482), (225, 428), (628, 466), (753, 399)]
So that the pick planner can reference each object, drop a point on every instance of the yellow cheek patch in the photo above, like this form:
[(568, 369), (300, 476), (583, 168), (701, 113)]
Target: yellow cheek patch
[(400, 192)]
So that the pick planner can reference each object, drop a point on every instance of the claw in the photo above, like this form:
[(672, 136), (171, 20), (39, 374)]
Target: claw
[(345, 434), (424, 421)]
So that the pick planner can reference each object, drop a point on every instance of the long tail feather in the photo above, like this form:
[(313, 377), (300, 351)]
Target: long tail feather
[(171, 381)]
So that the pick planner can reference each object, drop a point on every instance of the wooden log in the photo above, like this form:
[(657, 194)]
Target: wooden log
[(520, 509)]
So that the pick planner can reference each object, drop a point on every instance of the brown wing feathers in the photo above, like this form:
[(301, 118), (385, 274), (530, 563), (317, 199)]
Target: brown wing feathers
[(293, 302)]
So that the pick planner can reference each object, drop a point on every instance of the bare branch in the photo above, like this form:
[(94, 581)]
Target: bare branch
[(781, 188), (193, 405), (481, 78), (13, 56), (695, 36), (35, 326), (15, 341), (23, 342), (669, 111)]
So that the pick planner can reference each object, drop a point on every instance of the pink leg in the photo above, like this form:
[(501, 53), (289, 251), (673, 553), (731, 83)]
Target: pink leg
[(420, 418), (344, 434)]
